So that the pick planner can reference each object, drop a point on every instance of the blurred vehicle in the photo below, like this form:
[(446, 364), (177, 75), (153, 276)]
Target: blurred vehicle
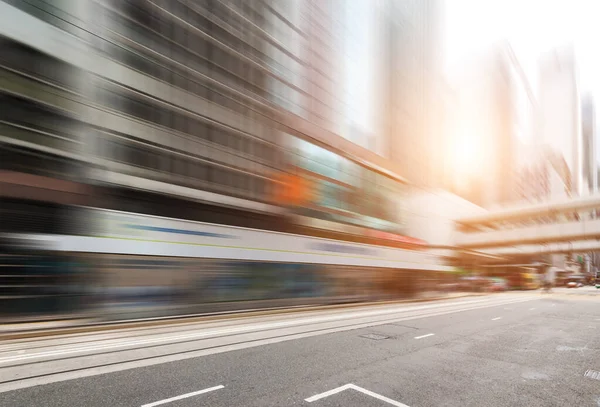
[(498, 285), (474, 283), (531, 281), (575, 281), (450, 287)]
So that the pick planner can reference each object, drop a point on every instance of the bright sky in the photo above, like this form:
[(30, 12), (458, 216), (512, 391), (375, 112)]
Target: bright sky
[(531, 26)]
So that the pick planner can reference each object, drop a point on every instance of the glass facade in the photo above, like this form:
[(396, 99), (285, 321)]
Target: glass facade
[(346, 191)]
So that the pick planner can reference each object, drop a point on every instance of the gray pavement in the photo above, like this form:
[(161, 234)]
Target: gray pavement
[(585, 290), (496, 352)]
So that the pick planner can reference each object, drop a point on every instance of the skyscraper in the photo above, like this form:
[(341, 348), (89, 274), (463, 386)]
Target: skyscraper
[(189, 109), (495, 108), (589, 143), (415, 83), (559, 110)]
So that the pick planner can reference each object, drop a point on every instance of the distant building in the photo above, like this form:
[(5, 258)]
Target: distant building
[(546, 177), (495, 109), (559, 110), (415, 64), (589, 143)]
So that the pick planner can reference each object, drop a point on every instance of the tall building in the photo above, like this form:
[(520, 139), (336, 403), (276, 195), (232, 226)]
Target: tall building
[(494, 108), (589, 144), (559, 110), (545, 177), (194, 109), (415, 83)]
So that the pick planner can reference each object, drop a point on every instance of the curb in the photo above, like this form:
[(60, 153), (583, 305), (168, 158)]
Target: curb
[(92, 327)]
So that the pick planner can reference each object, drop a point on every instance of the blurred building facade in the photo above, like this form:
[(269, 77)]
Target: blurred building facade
[(148, 106), (487, 118), (545, 177), (416, 88), (589, 143), (309, 117), (560, 111)]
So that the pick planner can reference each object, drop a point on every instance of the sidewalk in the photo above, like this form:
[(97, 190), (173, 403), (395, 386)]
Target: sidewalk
[(35, 329)]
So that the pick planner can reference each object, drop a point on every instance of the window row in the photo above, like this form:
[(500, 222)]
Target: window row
[(136, 106), (369, 195), (180, 44), (27, 60), (23, 112), (188, 171)]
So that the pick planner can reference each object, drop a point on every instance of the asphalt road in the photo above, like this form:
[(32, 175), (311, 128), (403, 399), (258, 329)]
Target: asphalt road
[(501, 350)]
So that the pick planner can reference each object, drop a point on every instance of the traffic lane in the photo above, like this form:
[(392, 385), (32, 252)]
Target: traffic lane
[(145, 351), (70, 340), (443, 371), (536, 362), (268, 375), (489, 318), (399, 332)]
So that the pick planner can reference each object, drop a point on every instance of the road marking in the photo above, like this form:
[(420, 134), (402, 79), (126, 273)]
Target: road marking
[(592, 374), (497, 318), (183, 396), (531, 309), (423, 336), (328, 393), (357, 388)]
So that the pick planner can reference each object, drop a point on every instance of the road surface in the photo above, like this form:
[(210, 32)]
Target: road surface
[(513, 349)]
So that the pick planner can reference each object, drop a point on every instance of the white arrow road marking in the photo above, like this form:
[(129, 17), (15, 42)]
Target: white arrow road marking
[(357, 388), (183, 396)]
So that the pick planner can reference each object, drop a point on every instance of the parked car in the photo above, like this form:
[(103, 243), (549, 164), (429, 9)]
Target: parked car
[(572, 284)]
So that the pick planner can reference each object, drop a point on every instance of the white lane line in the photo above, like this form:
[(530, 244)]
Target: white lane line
[(497, 318), (328, 393), (378, 396), (423, 336), (357, 388), (531, 309), (183, 396)]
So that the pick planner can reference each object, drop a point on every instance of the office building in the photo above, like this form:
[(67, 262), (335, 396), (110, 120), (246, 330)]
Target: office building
[(559, 110), (494, 107), (415, 86), (589, 144), (545, 177), (194, 109)]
